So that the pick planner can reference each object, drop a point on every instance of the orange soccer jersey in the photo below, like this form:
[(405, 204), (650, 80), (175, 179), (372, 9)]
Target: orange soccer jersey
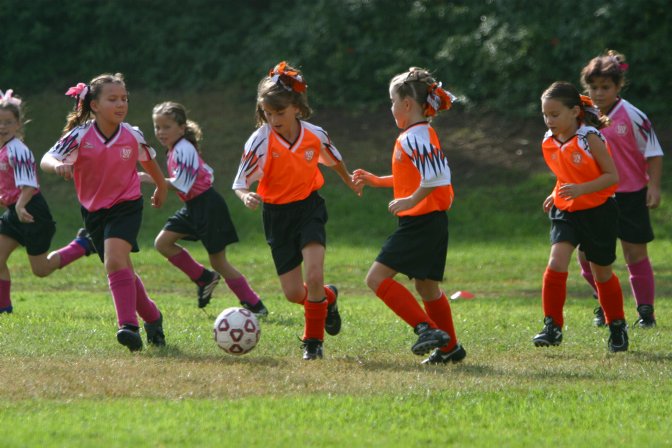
[(287, 172), (573, 163), (418, 161)]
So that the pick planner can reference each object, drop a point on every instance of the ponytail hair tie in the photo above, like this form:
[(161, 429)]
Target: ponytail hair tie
[(438, 99), (8, 97), (78, 92), (289, 79), (588, 106)]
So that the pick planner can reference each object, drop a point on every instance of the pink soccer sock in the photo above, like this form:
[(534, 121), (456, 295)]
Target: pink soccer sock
[(124, 294), (185, 263), (145, 306), (641, 282), (242, 290), (5, 293), (587, 273), (70, 253)]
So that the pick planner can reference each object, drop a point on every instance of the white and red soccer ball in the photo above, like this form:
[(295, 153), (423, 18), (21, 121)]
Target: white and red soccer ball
[(237, 330)]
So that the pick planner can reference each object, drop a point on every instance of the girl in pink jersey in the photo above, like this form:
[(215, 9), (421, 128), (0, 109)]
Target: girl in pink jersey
[(639, 160), (205, 215), (423, 193), (100, 152), (283, 156), (582, 210), (27, 220)]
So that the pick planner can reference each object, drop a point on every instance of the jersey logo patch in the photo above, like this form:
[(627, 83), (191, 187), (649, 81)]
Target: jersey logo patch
[(309, 155), (397, 155), (621, 129), (88, 145), (576, 157), (275, 155), (126, 153), (3, 166)]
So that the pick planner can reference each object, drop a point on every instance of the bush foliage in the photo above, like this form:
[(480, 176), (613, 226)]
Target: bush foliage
[(497, 54)]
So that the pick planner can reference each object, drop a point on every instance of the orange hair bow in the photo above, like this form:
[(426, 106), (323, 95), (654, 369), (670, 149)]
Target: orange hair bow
[(438, 99), (588, 106), (289, 79)]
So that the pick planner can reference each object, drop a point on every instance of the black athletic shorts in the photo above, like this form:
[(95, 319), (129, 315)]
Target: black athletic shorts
[(418, 247), (290, 227), (593, 230), (35, 236), (634, 223), (205, 218), (121, 221)]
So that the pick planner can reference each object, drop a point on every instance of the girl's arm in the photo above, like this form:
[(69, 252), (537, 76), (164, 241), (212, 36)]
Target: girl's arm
[(342, 171), (152, 168), (608, 177), (249, 198), (399, 205), (655, 171), (50, 164), (362, 177), (20, 207), (147, 179)]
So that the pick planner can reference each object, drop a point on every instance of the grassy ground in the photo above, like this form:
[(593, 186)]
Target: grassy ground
[(66, 381)]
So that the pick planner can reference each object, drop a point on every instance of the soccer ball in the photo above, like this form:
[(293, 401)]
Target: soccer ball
[(237, 330)]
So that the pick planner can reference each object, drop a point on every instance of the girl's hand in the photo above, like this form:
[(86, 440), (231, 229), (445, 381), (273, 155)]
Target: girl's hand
[(361, 177), (399, 205), (570, 191), (23, 215), (64, 170), (159, 196), (145, 178), (354, 186), (653, 197), (251, 200), (548, 203)]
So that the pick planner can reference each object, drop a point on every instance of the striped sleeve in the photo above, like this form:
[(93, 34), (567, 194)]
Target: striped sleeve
[(646, 138), (145, 152), (430, 161), (66, 149), (185, 164), (253, 159), (329, 155), (22, 161)]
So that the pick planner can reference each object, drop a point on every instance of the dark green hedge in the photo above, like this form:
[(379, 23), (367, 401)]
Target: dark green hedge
[(498, 54)]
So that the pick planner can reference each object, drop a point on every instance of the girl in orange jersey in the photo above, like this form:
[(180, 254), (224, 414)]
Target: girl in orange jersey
[(283, 155), (582, 210), (422, 195)]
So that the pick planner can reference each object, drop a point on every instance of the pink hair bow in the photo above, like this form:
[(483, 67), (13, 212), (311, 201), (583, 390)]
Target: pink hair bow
[(438, 99), (9, 98), (79, 91)]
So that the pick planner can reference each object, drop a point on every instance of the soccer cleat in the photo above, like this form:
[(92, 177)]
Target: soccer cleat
[(551, 334), (618, 336), (84, 239), (312, 349), (129, 336), (154, 332), (646, 317), (599, 320), (7, 309), (206, 284), (259, 309), (428, 338), (332, 325), (457, 354)]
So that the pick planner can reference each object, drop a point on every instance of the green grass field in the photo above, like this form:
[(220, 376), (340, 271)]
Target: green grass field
[(66, 382)]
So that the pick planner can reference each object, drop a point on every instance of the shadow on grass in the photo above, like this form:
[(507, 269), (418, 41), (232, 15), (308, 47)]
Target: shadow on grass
[(173, 352)]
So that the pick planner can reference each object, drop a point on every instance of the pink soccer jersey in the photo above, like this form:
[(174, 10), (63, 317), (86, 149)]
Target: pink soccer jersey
[(105, 170), (189, 174), (632, 141), (17, 169)]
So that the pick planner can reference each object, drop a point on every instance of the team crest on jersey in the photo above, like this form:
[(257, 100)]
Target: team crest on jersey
[(126, 152), (3, 166), (309, 155), (397, 155), (275, 155), (621, 129), (88, 145), (576, 157)]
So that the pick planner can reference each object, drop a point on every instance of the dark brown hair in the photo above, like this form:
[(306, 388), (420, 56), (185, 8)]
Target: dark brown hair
[(176, 111), (83, 110), (609, 65), (569, 96)]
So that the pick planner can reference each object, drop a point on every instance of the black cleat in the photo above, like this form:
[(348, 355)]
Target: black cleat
[(646, 317), (618, 336), (154, 332), (259, 310), (599, 319), (84, 239), (332, 325), (206, 284), (129, 336), (312, 349), (7, 309), (428, 339), (551, 334), (456, 355)]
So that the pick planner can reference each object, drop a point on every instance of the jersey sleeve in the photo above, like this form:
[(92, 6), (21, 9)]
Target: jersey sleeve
[(429, 160), (329, 155), (184, 165), (145, 152), (67, 148), (253, 160), (582, 137), (646, 138), (22, 161)]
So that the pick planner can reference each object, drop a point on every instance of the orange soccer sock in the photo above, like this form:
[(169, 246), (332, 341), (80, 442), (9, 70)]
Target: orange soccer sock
[(403, 303), (439, 311), (315, 314), (329, 294), (553, 295), (610, 296)]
